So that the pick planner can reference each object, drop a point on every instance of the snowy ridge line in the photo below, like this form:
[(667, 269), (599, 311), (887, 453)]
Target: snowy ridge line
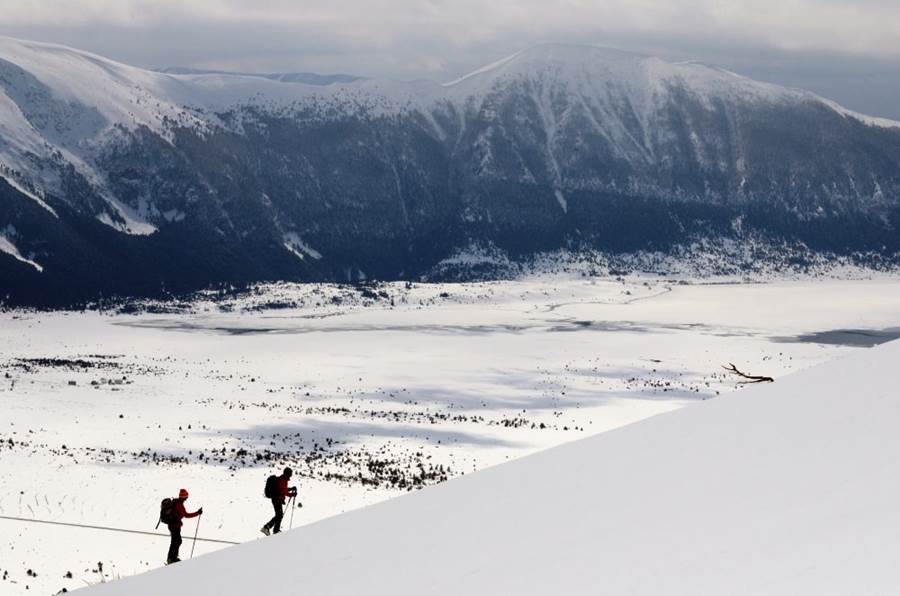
[(8, 246), (106, 528), (863, 118), (15, 184), (484, 69)]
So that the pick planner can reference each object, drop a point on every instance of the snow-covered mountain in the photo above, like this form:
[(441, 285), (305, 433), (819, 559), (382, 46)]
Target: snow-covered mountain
[(125, 180), (788, 489)]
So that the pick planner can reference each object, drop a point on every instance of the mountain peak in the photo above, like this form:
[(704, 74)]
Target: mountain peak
[(550, 54)]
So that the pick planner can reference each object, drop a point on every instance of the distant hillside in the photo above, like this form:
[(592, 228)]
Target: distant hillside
[(127, 181), (309, 78)]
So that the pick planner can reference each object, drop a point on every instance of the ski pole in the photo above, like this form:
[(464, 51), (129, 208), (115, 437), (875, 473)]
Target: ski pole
[(197, 529), (293, 502)]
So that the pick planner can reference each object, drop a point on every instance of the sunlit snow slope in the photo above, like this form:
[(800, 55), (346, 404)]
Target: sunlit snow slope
[(790, 488)]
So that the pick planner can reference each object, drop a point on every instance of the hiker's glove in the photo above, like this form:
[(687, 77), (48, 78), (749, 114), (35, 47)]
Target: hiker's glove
[(200, 511)]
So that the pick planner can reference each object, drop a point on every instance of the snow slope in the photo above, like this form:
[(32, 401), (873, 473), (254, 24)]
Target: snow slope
[(591, 68), (606, 77), (780, 489), (8, 246)]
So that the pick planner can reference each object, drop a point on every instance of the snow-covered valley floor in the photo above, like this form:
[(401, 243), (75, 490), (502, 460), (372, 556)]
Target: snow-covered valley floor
[(366, 392)]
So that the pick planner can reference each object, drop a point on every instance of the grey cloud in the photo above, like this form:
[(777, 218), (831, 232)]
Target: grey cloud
[(834, 48)]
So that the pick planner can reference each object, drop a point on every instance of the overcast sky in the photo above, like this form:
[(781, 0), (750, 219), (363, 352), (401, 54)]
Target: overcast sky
[(849, 51)]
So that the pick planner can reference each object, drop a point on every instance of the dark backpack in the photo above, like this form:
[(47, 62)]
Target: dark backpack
[(167, 512), (272, 491)]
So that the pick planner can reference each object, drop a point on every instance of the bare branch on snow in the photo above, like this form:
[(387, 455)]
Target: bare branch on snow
[(749, 378)]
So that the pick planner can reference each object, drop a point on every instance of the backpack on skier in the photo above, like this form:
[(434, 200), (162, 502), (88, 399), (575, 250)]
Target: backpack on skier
[(167, 512), (272, 491)]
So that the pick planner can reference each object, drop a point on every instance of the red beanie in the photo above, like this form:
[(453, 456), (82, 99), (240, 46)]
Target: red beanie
[(183, 494)]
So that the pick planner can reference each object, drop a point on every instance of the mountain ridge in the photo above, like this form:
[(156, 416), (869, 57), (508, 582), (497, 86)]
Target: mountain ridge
[(309, 78), (558, 146)]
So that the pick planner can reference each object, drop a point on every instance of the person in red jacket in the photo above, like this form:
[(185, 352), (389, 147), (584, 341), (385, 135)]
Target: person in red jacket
[(284, 492), (175, 526)]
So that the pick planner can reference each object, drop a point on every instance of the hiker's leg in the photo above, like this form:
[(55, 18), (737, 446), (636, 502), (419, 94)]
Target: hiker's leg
[(276, 504), (175, 544), (279, 513)]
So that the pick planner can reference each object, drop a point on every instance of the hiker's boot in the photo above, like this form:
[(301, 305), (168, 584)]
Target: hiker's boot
[(264, 530)]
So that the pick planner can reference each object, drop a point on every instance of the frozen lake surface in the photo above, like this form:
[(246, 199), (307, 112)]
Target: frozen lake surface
[(366, 392)]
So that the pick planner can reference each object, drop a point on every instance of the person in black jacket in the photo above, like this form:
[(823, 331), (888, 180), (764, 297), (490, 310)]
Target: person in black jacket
[(282, 493)]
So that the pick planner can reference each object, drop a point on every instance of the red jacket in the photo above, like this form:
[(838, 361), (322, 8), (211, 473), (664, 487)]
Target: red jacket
[(181, 513), (283, 489)]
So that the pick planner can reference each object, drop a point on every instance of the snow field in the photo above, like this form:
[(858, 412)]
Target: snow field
[(365, 400), (788, 489)]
